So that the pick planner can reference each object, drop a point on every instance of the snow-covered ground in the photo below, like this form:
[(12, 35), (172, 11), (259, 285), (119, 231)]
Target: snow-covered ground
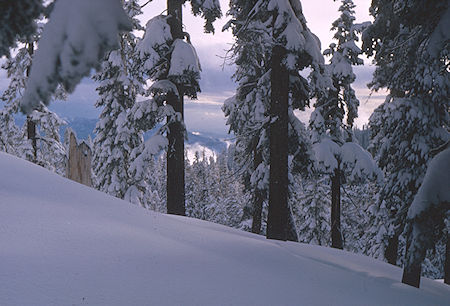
[(65, 244)]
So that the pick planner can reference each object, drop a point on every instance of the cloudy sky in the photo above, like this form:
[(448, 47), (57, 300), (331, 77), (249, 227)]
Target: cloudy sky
[(205, 113)]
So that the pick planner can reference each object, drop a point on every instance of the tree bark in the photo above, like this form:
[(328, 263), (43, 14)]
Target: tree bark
[(31, 125), (175, 154), (447, 262), (258, 198), (415, 254), (31, 135), (79, 162), (391, 251), (336, 234), (411, 274), (277, 220)]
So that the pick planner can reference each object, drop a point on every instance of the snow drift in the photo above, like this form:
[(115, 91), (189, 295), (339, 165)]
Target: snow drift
[(65, 244)]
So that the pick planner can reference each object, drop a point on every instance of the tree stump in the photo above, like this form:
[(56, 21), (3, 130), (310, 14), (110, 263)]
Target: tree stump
[(79, 163)]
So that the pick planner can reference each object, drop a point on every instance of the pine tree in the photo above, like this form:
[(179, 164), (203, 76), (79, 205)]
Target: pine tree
[(12, 139), (332, 106), (115, 136), (426, 218), (39, 140), (253, 24), (170, 61), (312, 210), (226, 192), (198, 188), (410, 48), (356, 198)]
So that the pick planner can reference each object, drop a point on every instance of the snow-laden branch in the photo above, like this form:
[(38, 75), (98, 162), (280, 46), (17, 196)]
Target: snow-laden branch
[(350, 156), (435, 188), (75, 40)]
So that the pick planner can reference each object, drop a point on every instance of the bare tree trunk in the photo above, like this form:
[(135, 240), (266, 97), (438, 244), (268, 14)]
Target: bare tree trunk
[(411, 274), (447, 262), (415, 254), (31, 135), (175, 154), (391, 251), (31, 126), (277, 220), (336, 233), (258, 198)]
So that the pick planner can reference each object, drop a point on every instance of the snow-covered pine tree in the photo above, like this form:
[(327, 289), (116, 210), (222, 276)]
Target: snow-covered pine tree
[(410, 45), (183, 76), (116, 136), (312, 210), (226, 192), (157, 185), (12, 139), (245, 111), (258, 26), (170, 61), (198, 188), (428, 217), (212, 192), (39, 140), (51, 153), (339, 102), (357, 197)]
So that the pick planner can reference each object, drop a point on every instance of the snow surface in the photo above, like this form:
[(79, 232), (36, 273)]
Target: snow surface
[(66, 244)]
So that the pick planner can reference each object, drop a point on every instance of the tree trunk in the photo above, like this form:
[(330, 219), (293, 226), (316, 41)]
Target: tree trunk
[(79, 163), (391, 251), (175, 154), (31, 135), (336, 234), (258, 198), (415, 254), (277, 220), (447, 262), (411, 274), (31, 126)]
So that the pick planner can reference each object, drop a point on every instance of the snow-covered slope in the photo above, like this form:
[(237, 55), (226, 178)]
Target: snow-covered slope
[(66, 244)]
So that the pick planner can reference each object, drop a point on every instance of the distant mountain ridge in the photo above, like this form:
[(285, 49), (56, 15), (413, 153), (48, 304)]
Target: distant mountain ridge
[(84, 128)]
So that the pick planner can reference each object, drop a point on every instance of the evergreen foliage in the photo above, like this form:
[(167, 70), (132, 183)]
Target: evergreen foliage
[(45, 148), (336, 151), (410, 48), (18, 20), (116, 137), (256, 31)]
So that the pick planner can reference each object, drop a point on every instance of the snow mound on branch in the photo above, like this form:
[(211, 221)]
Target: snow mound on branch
[(360, 162), (353, 158), (157, 36), (75, 40), (184, 58), (435, 188), (164, 87), (326, 153), (66, 244)]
